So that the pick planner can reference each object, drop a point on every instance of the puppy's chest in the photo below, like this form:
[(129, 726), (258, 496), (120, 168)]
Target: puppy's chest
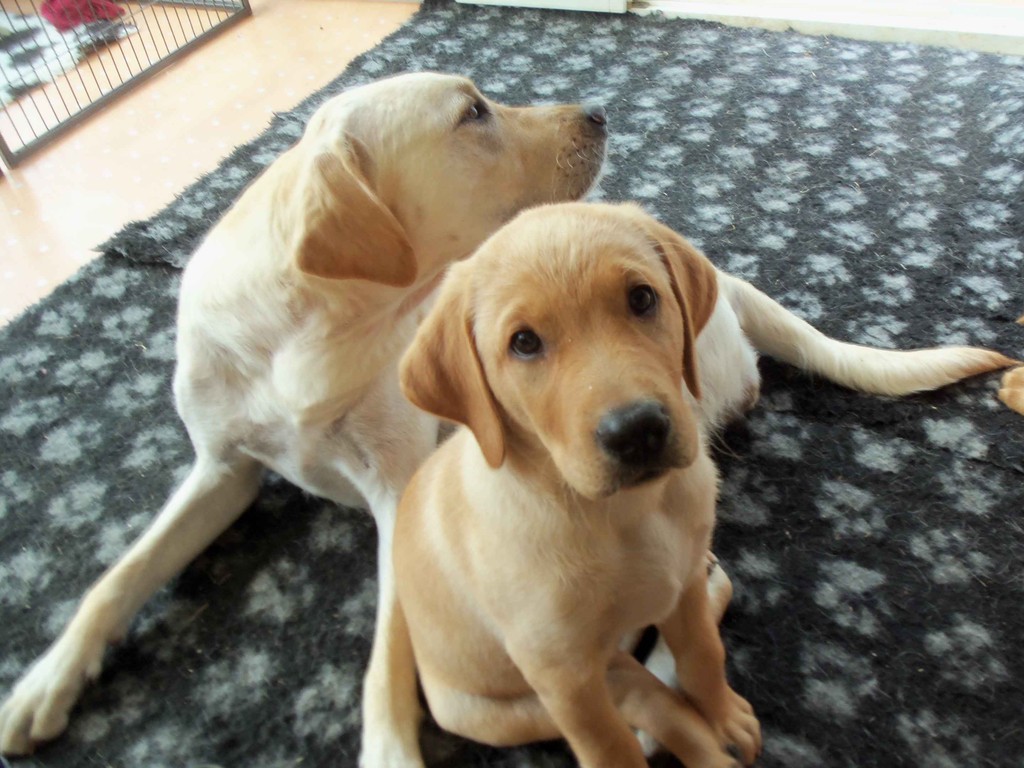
[(628, 575), (655, 561)]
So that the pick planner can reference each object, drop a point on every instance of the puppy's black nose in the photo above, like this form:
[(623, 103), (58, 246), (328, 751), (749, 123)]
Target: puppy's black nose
[(596, 114), (635, 434)]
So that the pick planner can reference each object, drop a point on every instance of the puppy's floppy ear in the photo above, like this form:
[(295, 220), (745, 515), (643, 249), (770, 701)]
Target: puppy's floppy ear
[(344, 230), (695, 285), (441, 371)]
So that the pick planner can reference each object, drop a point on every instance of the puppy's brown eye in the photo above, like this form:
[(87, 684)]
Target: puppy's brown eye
[(525, 344), (642, 300)]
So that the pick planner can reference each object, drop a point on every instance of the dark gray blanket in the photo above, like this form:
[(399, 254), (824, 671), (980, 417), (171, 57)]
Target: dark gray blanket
[(876, 545)]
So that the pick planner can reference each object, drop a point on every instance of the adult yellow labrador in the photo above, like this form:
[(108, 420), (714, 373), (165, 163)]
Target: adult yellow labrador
[(590, 351), (292, 315)]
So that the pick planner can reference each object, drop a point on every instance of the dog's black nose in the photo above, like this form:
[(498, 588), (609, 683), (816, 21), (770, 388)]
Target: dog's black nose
[(635, 434), (596, 114)]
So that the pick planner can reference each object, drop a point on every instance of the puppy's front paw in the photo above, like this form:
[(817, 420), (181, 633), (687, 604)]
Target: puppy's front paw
[(37, 709), (720, 759), (383, 752), (1011, 391), (739, 730)]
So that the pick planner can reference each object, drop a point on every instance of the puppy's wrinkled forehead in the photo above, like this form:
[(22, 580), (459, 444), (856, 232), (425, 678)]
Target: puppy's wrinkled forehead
[(554, 259)]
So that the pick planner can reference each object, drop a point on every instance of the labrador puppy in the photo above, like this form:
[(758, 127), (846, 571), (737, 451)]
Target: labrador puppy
[(292, 315), (578, 505), (589, 351)]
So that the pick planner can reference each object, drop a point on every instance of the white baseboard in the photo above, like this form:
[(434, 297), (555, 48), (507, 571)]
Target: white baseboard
[(607, 6), (993, 27)]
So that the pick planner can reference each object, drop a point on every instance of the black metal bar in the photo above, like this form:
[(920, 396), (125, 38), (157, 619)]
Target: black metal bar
[(190, 24), (5, 153), (102, 61), (77, 71), (177, 18), (52, 79), (210, 21), (130, 38), (219, 5), (20, 101), (14, 124), (119, 42), (47, 138), (145, 20), (160, 28), (87, 63)]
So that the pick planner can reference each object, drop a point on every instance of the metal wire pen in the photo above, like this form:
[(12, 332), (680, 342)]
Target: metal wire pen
[(61, 60)]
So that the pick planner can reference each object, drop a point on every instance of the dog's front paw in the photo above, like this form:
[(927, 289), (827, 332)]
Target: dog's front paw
[(739, 730), (388, 751), (1011, 391), (388, 758), (37, 709)]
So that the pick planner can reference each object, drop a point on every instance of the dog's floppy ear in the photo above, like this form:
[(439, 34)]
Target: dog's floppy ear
[(441, 371), (695, 285), (344, 230)]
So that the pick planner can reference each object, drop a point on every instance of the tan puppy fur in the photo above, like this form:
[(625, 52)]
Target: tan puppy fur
[(293, 313), (526, 548), (526, 555)]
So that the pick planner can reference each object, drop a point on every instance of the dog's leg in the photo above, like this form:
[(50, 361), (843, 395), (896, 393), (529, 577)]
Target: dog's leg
[(642, 700), (380, 445), (391, 709), (655, 709), (661, 663), (692, 634), (211, 498), (579, 700)]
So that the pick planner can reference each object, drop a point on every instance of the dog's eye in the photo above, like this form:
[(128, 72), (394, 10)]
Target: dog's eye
[(477, 111), (642, 300), (525, 344)]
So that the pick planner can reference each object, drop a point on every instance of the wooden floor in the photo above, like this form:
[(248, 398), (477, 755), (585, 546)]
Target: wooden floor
[(128, 162)]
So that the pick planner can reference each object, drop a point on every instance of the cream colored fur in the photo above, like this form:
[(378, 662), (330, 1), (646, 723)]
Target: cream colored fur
[(292, 315)]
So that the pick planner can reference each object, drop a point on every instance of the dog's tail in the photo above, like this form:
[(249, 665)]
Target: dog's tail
[(775, 331)]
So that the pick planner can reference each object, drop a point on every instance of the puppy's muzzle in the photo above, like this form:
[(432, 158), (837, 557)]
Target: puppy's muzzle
[(637, 438)]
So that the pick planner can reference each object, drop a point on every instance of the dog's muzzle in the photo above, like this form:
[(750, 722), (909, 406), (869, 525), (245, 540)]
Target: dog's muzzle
[(636, 437)]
